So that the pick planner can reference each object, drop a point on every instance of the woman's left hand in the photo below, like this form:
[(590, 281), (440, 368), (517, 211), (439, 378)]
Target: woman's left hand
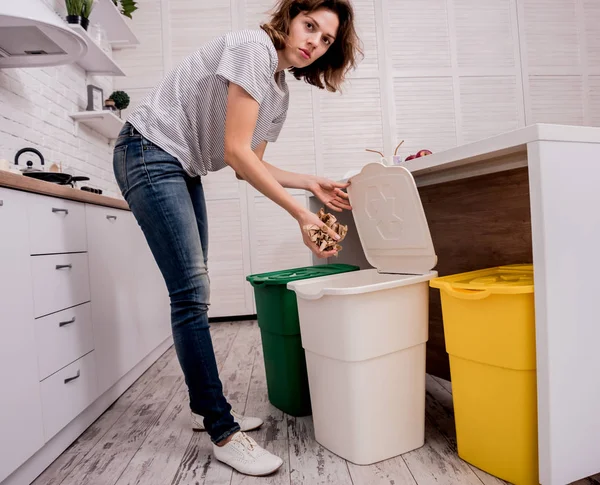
[(330, 193)]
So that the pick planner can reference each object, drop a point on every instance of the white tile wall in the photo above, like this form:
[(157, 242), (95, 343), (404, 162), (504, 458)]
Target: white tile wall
[(557, 99), (498, 97), (255, 12), (367, 32), (419, 35), (552, 33), (34, 112), (425, 113), (145, 63), (276, 241), (295, 148), (594, 100), (350, 123), (194, 23), (489, 41), (591, 12)]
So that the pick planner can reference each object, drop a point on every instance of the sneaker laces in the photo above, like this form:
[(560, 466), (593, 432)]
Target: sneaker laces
[(249, 441)]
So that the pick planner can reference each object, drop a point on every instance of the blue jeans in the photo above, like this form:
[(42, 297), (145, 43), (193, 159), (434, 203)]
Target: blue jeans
[(170, 208)]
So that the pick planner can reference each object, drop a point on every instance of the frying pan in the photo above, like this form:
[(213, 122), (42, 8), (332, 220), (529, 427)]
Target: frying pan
[(56, 177)]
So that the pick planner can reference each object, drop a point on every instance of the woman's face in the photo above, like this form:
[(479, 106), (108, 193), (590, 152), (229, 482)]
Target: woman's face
[(310, 35)]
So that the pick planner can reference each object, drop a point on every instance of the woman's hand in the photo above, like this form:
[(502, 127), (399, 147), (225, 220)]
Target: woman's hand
[(308, 220), (330, 193)]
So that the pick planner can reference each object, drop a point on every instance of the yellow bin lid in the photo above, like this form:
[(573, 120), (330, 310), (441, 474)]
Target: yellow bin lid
[(507, 280)]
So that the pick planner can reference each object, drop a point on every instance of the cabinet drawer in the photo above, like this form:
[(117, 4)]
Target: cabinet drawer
[(67, 393), (59, 281), (62, 338), (56, 225)]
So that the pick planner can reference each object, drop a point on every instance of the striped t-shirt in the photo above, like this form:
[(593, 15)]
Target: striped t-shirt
[(185, 113)]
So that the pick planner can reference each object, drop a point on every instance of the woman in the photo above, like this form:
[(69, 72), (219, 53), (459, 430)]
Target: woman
[(220, 107)]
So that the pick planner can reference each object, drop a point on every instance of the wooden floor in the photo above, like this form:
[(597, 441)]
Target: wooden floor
[(145, 437)]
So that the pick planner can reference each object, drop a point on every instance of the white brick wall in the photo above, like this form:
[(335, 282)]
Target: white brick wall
[(34, 112)]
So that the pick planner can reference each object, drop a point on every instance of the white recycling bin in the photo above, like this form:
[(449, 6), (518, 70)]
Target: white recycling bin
[(364, 333)]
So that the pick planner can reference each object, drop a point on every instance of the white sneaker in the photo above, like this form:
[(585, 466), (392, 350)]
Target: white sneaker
[(246, 423), (243, 454)]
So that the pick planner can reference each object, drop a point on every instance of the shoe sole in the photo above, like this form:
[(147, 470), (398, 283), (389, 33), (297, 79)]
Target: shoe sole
[(244, 430), (250, 474)]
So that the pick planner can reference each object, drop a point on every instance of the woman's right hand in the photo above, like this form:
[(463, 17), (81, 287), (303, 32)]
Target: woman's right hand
[(307, 221)]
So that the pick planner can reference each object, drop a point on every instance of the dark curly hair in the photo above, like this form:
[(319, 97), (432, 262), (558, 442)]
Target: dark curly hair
[(329, 71)]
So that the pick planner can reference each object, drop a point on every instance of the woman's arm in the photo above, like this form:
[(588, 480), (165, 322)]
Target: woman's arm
[(327, 191), (242, 113), (289, 180)]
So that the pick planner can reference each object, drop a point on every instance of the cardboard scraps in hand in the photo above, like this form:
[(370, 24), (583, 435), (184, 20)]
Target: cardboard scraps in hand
[(322, 238)]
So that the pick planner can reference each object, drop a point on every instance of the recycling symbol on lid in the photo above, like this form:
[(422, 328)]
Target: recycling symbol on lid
[(383, 208)]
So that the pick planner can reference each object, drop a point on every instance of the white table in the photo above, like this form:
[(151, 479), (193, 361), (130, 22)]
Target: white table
[(563, 163)]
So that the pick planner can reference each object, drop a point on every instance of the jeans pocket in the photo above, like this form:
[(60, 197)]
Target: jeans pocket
[(120, 167)]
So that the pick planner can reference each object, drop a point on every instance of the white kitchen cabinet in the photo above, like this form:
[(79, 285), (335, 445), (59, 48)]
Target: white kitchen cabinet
[(20, 408), (55, 225), (68, 392), (130, 306), (153, 308), (63, 337), (59, 281), (111, 253), (84, 311)]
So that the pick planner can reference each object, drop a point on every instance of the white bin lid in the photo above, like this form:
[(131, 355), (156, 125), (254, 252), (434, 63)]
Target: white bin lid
[(390, 220)]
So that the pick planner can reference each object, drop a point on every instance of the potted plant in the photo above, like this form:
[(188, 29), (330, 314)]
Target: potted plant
[(78, 12), (74, 9), (88, 6), (121, 100)]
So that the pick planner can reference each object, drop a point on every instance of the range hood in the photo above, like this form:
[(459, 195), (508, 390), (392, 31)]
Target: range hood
[(32, 35)]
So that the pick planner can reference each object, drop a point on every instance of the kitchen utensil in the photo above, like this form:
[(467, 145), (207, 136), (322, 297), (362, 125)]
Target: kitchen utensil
[(91, 189), (29, 164), (56, 177), (395, 159)]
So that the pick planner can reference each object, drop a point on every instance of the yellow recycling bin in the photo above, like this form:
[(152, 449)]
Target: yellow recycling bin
[(489, 327)]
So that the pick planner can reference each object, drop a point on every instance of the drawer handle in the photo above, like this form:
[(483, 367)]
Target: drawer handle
[(62, 324), (61, 266), (114, 218), (54, 209), (1, 203), (69, 379)]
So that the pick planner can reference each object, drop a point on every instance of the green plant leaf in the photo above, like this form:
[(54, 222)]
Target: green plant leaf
[(121, 99), (128, 7), (74, 7), (88, 6)]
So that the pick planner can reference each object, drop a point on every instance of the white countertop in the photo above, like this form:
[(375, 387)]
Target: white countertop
[(502, 152)]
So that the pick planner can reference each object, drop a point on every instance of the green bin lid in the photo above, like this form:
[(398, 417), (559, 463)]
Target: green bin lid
[(283, 277)]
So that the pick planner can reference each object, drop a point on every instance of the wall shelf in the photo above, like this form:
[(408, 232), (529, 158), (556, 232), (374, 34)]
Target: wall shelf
[(96, 61), (117, 26), (104, 122)]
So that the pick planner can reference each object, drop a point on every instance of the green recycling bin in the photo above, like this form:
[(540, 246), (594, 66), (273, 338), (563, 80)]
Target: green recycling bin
[(277, 313)]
